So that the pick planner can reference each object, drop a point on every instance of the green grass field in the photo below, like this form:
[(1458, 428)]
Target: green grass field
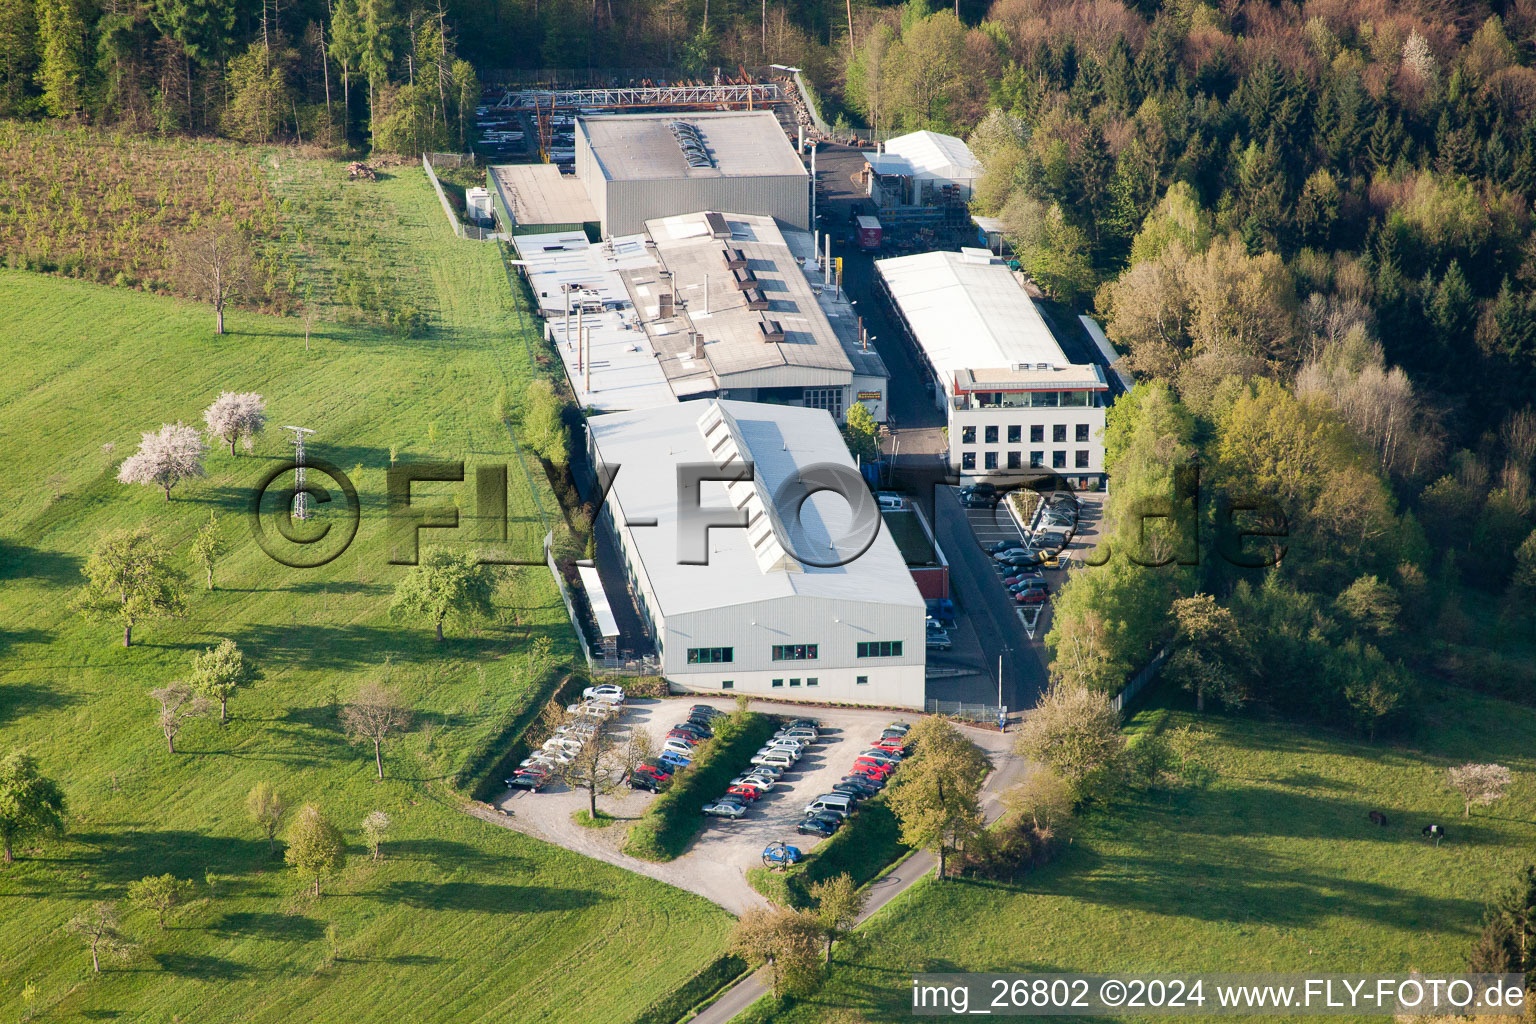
[(1274, 868), (462, 921)]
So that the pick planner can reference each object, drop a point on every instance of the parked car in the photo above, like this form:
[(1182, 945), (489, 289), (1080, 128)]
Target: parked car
[(890, 502), (779, 853), (852, 790), (901, 727), (1027, 561), (726, 807), (788, 743), (1022, 575), (658, 775), (767, 770), (675, 760), (1030, 597), (780, 758), (816, 827), (762, 783), (868, 785), (1002, 545), (894, 745), (529, 781), (1014, 550), (939, 642), (605, 692), (644, 780), (869, 766), (679, 746), (882, 756), (689, 729), (750, 794), (1019, 588), (705, 709)]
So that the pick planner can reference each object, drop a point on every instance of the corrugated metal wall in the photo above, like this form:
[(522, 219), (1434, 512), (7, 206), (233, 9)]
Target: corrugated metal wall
[(632, 203)]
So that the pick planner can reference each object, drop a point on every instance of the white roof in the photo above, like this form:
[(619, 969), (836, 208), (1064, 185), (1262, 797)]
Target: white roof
[(624, 372), (602, 613), (758, 563), (968, 312), (931, 155)]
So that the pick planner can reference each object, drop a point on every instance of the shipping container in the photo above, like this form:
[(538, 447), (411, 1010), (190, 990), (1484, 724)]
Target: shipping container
[(869, 234)]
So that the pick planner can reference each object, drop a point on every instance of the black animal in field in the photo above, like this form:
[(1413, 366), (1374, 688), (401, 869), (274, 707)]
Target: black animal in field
[(1377, 818)]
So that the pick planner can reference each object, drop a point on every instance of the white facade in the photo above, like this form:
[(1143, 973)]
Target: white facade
[(1011, 398), (758, 618)]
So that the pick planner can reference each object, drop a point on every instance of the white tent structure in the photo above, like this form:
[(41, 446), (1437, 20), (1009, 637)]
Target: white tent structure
[(928, 160)]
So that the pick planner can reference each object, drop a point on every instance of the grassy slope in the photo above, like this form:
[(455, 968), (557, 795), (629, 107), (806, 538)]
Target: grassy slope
[(462, 921), (1275, 868)]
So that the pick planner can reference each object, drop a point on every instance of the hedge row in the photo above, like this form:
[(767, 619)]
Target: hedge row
[(488, 766), (670, 1008), (674, 817)]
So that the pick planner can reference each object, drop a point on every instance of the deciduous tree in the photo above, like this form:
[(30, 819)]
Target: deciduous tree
[(934, 797), (30, 802), (1076, 733), (1212, 655), (160, 893), (208, 547), (1479, 784), (236, 417), (218, 672), (213, 264), (373, 715), (166, 457), (445, 583), (315, 846), (102, 932), (839, 902), (266, 807), (130, 579), (375, 827), (178, 702), (787, 942)]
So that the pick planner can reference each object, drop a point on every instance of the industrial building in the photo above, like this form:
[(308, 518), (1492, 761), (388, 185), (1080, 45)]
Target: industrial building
[(1012, 399), (922, 169), (638, 167), (702, 305), (759, 617)]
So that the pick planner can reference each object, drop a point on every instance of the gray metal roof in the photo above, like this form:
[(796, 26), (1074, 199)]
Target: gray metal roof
[(648, 445), (735, 352), (740, 143), (540, 194)]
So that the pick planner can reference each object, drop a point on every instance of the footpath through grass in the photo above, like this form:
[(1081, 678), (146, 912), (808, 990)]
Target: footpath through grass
[(1275, 868), (461, 921)]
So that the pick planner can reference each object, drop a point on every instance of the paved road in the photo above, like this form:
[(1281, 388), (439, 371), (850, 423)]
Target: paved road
[(752, 988)]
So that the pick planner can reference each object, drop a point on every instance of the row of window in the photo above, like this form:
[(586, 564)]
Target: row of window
[(730, 684), (1036, 433), (792, 652), (1016, 460), (711, 655)]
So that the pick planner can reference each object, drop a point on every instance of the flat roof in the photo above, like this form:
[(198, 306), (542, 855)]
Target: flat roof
[(709, 303), (745, 565), (602, 612), (624, 372), (539, 194), (741, 144), (967, 311)]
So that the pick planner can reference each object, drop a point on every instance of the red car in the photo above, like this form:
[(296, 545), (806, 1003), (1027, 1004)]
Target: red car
[(652, 772), (687, 737), (894, 745), (864, 766), (1030, 597), (747, 793)]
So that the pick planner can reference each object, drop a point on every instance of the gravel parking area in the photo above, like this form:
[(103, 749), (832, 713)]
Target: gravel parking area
[(715, 865)]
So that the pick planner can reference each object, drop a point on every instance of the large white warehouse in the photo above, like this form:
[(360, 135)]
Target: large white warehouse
[(759, 617), (1012, 399)]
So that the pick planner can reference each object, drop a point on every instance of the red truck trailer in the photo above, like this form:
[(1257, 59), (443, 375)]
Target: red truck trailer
[(869, 234)]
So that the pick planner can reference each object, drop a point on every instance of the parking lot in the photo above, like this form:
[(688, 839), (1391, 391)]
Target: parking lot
[(715, 865)]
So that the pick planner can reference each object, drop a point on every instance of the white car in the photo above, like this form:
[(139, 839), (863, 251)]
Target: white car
[(677, 746), (567, 743), (560, 757), (777, 758), (763, 782), (606, 692), (725, 808)]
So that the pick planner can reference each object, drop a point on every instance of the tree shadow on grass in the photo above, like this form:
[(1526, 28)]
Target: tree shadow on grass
[(18, 700), (485, 897), (202, 966), (117, 858), (57, 568), (259, 925)]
